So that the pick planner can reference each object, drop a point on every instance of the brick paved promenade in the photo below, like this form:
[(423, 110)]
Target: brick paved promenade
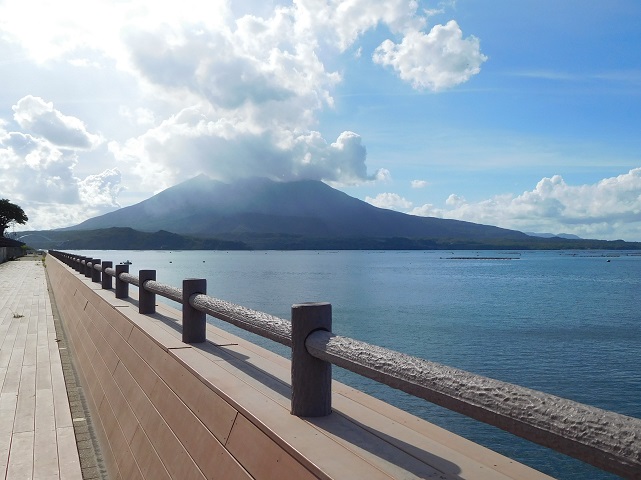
[(37, 438)]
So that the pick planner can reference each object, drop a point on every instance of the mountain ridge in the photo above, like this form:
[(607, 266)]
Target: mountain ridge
[(204, 207)]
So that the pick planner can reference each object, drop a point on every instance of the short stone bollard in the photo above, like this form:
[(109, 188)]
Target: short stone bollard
[(106, 279), (194, 321), (122, 287), (79, 265), (95, 273), (311, 377), (146, 299)]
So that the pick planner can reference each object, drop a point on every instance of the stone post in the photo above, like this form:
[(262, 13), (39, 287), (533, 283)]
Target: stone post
[(146, 299), (194, 321), (106, 279), (79, 266), (311, 377), (122, 288), (95, 273)]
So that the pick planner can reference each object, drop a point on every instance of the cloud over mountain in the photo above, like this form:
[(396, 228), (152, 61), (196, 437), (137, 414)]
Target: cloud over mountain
[(224, 89)]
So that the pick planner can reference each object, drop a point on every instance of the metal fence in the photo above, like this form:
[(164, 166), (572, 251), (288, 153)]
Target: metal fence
[(605, 439)]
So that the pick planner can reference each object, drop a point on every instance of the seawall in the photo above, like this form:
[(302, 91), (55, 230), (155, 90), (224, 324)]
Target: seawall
[(9, 253), (221, 409)]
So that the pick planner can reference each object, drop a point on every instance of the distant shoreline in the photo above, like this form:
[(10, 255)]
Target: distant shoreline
[(125, 238)]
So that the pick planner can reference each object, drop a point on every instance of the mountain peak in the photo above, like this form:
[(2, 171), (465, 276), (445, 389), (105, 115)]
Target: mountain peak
[(201, 177), (205, 207)]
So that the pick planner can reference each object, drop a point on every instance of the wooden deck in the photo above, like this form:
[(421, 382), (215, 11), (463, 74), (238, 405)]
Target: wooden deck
[(37, 439)]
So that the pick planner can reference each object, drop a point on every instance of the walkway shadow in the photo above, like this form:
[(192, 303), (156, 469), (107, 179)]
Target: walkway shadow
[(406, 456), (238, 360), (227, 353)]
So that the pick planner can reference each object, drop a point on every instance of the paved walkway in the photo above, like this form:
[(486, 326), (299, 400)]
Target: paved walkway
[(37, 438)]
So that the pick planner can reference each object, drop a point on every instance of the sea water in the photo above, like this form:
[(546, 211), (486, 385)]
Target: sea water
[(563, 322)]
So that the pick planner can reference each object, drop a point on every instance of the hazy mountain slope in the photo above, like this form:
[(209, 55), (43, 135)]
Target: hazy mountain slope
[(552, 235), (206, 207)]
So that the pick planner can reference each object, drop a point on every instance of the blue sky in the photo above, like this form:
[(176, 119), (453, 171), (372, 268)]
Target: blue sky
[(522, 114)]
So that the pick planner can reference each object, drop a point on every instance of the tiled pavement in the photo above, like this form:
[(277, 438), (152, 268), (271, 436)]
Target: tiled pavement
[(37, 438)]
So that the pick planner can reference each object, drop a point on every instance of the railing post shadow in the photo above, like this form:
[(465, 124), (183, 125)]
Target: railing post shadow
[(194, 321), (122, 287), (311, 377), (146, 299), (106, 279)]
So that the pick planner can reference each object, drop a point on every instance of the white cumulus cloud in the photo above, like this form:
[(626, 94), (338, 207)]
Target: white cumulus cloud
[(229, 89), (38, 117), (259, 78), (436, 60), (38, 167), (391, 201), (228, 150), (342, 22), (101, 190), (609, 209)]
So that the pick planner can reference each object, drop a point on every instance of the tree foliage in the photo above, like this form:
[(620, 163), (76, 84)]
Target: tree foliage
[(10, 213)]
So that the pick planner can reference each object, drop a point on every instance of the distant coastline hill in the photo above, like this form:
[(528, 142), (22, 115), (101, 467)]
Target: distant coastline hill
[(259, 213), (552, 235)]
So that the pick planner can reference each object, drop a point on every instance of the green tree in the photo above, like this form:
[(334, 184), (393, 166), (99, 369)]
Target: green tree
[(9, 213)]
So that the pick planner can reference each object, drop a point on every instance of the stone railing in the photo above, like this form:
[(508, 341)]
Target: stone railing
[(605, 439)]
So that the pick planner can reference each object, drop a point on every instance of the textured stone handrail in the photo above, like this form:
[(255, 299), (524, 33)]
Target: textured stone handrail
[(129, 278), (268, 326), (605, 439), (172, 293)]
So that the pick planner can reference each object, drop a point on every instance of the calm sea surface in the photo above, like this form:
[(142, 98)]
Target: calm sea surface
[(566, 323)]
